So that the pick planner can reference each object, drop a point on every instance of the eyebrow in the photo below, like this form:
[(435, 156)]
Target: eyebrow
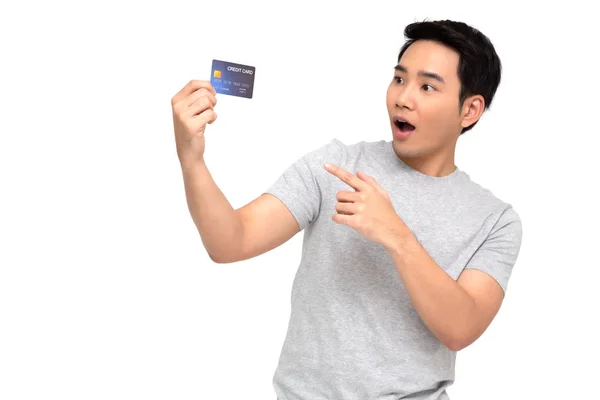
[(425, 74)]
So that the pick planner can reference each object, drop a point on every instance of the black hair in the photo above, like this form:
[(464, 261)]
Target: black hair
[(479, 67)]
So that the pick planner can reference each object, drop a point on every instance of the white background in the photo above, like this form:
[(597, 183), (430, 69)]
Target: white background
[(106, 291)]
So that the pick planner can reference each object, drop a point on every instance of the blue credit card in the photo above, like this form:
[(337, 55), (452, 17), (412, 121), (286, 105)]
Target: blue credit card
[(233, 79)]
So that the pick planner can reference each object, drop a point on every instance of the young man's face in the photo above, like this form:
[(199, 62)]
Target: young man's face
[(424, 92)]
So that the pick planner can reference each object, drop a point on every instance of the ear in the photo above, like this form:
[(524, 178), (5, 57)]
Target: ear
[(472, 109)]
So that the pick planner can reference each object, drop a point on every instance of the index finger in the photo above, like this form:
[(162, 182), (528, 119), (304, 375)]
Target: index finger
[(351, 180), (191, 87)]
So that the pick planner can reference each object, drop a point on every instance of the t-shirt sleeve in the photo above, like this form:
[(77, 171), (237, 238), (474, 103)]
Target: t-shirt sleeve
[(299, 187), (498, 254)]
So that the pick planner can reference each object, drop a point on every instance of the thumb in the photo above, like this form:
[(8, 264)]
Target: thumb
[(370, 180)]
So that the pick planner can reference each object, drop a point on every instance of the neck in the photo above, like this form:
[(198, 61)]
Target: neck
[(436, 165)]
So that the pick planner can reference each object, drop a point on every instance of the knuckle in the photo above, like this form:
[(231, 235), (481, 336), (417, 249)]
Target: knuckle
[(177, 108), (196, 96), (188, 125), (211, 97), (362, 197), (204, 102), (204, 117)]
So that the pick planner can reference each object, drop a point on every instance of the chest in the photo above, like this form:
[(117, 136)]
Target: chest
[(446, 223)]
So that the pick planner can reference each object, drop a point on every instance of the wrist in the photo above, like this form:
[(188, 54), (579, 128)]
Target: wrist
[(401, 240), (191, 163)]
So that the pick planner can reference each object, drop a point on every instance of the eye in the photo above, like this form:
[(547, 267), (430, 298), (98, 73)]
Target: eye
[(430, 87), (396, 79)]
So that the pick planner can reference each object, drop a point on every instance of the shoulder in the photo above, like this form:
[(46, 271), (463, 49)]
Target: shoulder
[(354, 150), (502, 213), (336, 151)]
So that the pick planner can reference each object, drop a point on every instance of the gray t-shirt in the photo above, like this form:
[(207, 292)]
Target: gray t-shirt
[(353, 332)]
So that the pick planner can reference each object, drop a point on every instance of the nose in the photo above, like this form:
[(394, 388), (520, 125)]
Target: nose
[(405, 98)]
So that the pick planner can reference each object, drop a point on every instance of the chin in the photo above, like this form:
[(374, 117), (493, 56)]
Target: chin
[(405, 150)]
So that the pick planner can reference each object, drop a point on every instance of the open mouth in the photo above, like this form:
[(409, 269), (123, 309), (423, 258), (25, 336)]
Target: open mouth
[(404, 126)]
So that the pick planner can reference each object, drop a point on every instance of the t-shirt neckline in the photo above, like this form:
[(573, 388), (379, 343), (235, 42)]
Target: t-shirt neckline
[(450, 178)]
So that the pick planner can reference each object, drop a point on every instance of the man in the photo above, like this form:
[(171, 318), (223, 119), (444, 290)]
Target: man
[(405, 259)]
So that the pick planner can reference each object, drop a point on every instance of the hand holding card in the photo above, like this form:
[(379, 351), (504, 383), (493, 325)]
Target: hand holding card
[(193, 107)]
